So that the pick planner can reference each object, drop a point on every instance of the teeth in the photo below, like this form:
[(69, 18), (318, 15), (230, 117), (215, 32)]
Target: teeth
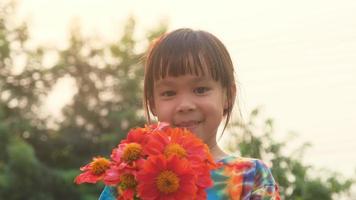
[(187, 124)]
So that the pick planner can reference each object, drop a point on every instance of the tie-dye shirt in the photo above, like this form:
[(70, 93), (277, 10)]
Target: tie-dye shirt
[(237, 178), (243, 178)]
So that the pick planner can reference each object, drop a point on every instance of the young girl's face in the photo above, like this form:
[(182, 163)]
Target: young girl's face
[(190, 101)]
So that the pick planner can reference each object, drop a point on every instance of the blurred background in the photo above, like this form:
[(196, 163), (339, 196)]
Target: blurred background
[(71, 84)]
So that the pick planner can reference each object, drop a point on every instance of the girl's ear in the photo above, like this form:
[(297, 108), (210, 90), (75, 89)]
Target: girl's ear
[(229, 101)]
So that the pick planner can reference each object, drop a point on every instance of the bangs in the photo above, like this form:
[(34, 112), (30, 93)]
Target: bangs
[(182, 65), (185, 55)]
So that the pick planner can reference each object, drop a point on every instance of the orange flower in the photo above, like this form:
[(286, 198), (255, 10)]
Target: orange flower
[(137, 135), (93, 171), (184, 144), (176, 141), (112, 175), (202, 172), (127, 194), (131, 148), (128, 154), (127, 158), (155, 162), (166, 178), (127, 187)]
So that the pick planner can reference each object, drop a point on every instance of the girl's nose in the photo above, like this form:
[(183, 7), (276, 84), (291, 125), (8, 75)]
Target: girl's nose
[(186, 105)]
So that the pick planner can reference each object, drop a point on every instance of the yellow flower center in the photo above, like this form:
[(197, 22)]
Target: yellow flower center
[(128, 181), (99, 165), (167, 182), (175, 149), (131, 152)]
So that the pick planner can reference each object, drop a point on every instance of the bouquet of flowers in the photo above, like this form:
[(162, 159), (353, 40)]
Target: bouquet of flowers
[(154, 162)]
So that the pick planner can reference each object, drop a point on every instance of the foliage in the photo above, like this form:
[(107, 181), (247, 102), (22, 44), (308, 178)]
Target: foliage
[(296, 180)]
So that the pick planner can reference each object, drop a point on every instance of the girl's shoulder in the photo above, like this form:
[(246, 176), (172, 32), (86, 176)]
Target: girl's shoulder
[(243, 177), (237, 162), (250, 167)]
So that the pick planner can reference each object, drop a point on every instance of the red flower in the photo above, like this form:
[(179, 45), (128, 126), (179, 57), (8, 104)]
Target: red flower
[(137, 135), (127, 187), (184, 144), (128, 194), (127, 158), (127, 152), (202, 172), (131, 149), (166, 178), (93, 171), (112, 175), (155, 162), (175, 141)]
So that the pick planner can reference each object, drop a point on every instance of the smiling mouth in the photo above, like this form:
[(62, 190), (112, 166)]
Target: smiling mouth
[(188, 124)]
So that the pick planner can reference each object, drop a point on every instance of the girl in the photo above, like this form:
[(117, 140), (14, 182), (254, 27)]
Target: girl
[(189, 82)]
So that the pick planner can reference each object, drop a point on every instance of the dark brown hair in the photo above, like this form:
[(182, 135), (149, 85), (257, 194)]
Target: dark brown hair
[(186, 51)]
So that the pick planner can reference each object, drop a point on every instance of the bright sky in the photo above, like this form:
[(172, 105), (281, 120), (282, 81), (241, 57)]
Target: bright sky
[(295, 58)]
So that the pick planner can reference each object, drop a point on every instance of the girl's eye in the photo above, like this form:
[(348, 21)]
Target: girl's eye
[(168, 93), (201, 90)]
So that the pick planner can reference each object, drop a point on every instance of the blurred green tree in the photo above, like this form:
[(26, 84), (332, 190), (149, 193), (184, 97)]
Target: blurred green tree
[(23, 85), (107, 100), (254, 138)]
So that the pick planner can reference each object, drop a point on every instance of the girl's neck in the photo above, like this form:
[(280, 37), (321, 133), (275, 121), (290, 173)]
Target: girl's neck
[(217, 152)]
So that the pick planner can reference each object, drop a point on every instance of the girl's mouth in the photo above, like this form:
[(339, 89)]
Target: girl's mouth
[(190, 125)]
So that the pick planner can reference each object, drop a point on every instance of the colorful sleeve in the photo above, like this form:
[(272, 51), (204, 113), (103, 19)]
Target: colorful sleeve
[(265, 188), (107, 194)]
